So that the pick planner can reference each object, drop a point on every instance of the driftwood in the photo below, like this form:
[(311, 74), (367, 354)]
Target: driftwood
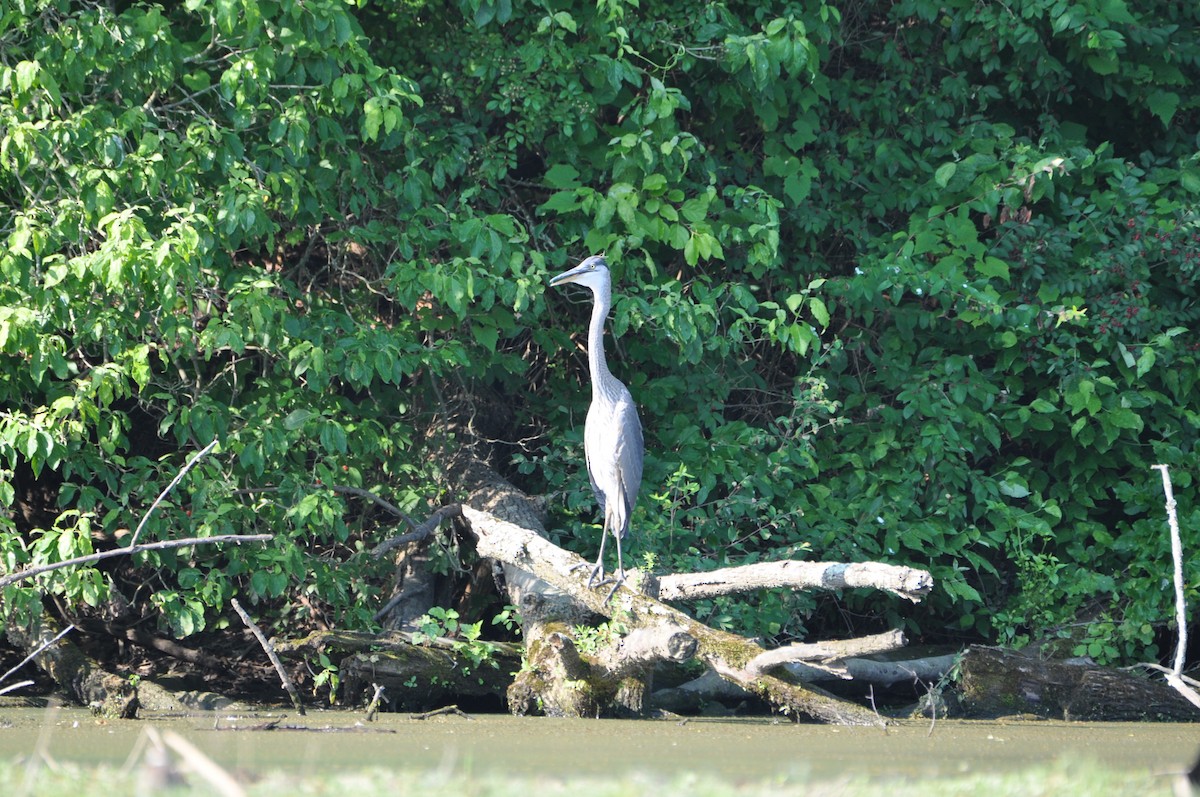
[(907, 582), (562, 668), (269, 649), (699, 693), (997, 682)]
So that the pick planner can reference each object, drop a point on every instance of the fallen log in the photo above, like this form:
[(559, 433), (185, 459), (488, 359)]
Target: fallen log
[(560, 661), (998, 682), (77, 674), (413, 675), (826, 661), (929, 670)]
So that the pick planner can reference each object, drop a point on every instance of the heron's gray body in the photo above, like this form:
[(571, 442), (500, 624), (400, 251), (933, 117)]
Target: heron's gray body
[(612, 435)]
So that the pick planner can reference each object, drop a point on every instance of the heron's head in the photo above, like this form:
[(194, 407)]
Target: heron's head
[(592, 272)]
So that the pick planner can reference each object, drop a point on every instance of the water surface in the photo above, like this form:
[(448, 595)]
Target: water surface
[(485, 744)]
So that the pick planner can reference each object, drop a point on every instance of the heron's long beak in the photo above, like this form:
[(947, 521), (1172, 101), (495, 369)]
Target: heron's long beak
[(570, 275)]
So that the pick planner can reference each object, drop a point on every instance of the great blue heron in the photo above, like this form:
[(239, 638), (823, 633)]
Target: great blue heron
[(612, 434)]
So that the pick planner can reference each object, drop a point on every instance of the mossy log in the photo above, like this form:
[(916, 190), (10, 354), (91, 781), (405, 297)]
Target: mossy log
[(732, 657), (998, 682), (415, 675), (80, 677)]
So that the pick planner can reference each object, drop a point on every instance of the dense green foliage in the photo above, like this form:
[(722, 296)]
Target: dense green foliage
[(906, 281)]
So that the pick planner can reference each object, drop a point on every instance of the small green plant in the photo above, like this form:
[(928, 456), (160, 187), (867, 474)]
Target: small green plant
[(326, 674), (437, 623), (589, 639), (510, 618), (440, 623)]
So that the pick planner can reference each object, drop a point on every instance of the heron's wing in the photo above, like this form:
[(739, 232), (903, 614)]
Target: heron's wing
[(614, 449), (629, 454), (591, 452)]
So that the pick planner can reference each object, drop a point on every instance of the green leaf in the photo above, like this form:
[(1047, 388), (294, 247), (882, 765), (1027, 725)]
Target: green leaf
[(562, 175), (1163, 104), (993, 267), (1103, 64), (485, 12), (819, 311), (488, 337), (1189, 178), (1145, 361), (944, 173), (297, 419), (26, 72)]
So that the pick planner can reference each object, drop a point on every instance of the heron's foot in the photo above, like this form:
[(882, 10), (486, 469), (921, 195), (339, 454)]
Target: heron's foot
[(617, 579), (597, 572)]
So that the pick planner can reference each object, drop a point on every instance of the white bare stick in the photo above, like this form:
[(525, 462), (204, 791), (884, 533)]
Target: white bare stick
[(1175, 676), (202, 765), (1177, 683), (269, 649), (40, 648), (150, 546), (1177, 556), (826, 652), (4, 690), (178, 476), (907, 582)]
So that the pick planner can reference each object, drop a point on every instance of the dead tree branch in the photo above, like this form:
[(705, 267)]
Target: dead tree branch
[(1175, 675), (270, 651), (907, 582), (178, 477), (825, 652), (129, 551)]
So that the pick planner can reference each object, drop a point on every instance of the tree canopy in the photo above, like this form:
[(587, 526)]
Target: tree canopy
[(912, 282)]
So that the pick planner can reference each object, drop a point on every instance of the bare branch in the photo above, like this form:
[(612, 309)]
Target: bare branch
[(370, 496), (907, 582), (828, 651), (178, 476), (39, 649), (270, 651), (1175, 676), (419, 532), (150, 546), (4, 690), (1177, 556)]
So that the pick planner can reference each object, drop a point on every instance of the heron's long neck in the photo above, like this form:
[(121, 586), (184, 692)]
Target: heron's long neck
[(601, 377)]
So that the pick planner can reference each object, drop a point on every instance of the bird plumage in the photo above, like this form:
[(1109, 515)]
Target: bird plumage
[(612, 433)]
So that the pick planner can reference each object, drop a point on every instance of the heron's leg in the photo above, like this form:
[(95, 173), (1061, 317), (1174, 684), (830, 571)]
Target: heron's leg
[(618, 576), (597, 577), (598, 570)]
